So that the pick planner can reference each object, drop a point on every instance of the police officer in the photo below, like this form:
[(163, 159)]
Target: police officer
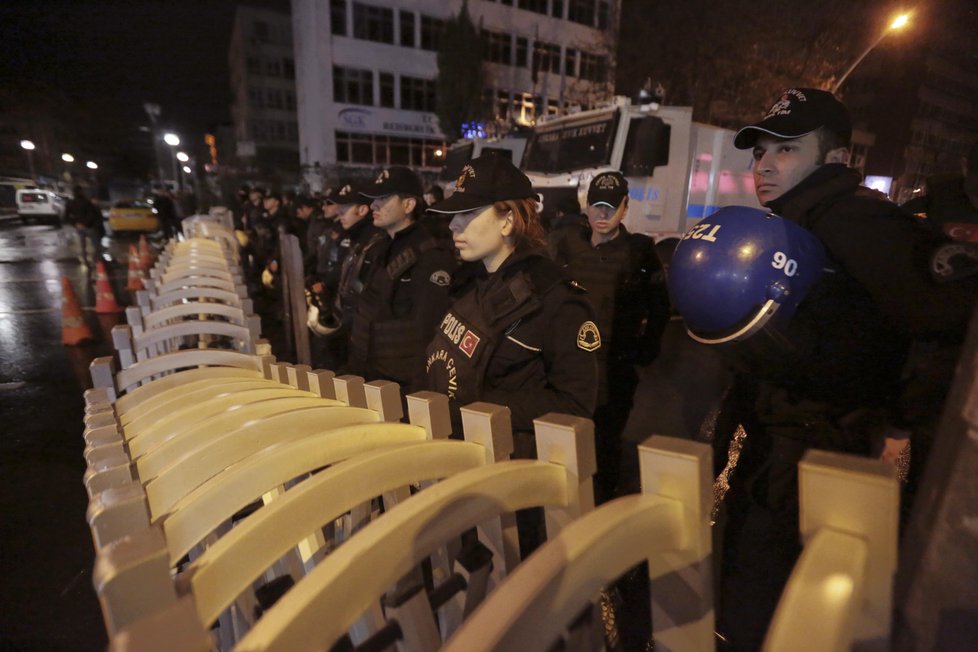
[(625, 284), (830, 377), (518, 333), (407, 290), (356, 247)]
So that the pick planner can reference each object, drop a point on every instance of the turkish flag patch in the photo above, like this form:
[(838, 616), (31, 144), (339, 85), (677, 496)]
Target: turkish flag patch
[(469, 341)]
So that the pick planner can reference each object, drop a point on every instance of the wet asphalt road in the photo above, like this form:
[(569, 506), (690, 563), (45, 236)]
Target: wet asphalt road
[(46, 597)]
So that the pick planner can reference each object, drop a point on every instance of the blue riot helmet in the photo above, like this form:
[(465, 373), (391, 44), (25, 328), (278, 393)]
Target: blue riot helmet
[(739, 269)]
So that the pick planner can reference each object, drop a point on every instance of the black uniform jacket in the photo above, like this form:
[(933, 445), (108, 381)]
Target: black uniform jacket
[(624, 281), (403, 299), (523, 337)]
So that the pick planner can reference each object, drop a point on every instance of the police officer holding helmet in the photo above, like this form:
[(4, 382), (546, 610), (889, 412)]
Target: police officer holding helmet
[(815, 307), (407, 289), (518, 333)]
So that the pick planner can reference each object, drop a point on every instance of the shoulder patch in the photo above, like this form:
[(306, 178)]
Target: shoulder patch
[(441, 278), (588, 336)]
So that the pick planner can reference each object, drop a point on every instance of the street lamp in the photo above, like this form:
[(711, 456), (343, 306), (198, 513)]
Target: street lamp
[(896, 24), (91, 165), (67, 158), (173, 140), (182, 157), (186, 168), (29, 147)]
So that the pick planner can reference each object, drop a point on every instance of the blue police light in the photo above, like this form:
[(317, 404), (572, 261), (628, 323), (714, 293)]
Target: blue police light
[(472, 130), (738, 269)]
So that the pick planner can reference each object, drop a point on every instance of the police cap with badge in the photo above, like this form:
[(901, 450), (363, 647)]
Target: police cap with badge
[(395, 180), (484, 181), (607, 189), (798, 112), (347, 192)]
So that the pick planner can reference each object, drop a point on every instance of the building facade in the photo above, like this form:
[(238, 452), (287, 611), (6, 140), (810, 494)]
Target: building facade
[(263, 95), (366, 71)]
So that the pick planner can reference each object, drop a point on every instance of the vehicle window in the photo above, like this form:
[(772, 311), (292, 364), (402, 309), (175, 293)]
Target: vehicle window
[(35, 197), (132, 204), (646, 147), (570, 147)]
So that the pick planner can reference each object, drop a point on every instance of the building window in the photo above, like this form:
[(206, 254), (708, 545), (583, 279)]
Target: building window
[(407, 29), (353, 86), (337, 17), (581, 11), (290, 100), (381, 149), (273, 68), (261, 31), (274, 98), (288, 68), (604, 14), (521, 47), (387, 89), (498, 47), (557, 8), (538, 6), (373, 23), (417, 94), (254, 97), (546, 57), (570, 62), (430, 32), (594, 67), (293, 132), (253, 65)]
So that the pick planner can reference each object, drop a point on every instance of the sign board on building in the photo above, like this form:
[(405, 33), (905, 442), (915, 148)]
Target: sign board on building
[(389, 121)]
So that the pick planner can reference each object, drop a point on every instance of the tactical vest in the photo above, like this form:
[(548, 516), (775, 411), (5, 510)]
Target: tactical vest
[(381, 344), (457, 359)]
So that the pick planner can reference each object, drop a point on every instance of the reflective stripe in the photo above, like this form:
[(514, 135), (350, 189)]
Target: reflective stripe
[(525, 346)]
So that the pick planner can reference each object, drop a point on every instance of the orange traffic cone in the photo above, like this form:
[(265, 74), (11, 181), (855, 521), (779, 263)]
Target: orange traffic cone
[(135, 281), (145, 254), (74, 330), (105, 302)]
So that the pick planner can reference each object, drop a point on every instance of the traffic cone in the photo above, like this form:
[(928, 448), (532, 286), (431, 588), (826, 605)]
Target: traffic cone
[(135, 281), (105, 302), (74, 330), (145, 254)]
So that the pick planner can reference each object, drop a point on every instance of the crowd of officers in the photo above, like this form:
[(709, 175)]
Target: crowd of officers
[(400, 289), (472, 297)]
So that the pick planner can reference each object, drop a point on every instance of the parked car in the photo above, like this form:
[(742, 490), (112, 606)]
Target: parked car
[(40, 205), (132, 215)]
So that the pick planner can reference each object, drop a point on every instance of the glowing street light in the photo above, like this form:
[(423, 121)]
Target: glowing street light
[(186, 168), (171, 139), (182, 157), (91, 165), (67, 158), (29, 147), (896, 24)]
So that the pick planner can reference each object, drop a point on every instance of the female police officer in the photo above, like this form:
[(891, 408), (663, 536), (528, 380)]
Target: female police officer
[(518, 333)]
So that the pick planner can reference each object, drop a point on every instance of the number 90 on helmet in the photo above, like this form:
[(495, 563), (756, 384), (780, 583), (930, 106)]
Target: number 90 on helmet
[(739, 269)]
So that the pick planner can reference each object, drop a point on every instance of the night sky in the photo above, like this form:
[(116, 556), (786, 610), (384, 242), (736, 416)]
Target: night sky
[(112, 56)]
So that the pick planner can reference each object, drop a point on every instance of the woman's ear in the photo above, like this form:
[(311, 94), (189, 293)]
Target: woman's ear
[(507, 226)]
